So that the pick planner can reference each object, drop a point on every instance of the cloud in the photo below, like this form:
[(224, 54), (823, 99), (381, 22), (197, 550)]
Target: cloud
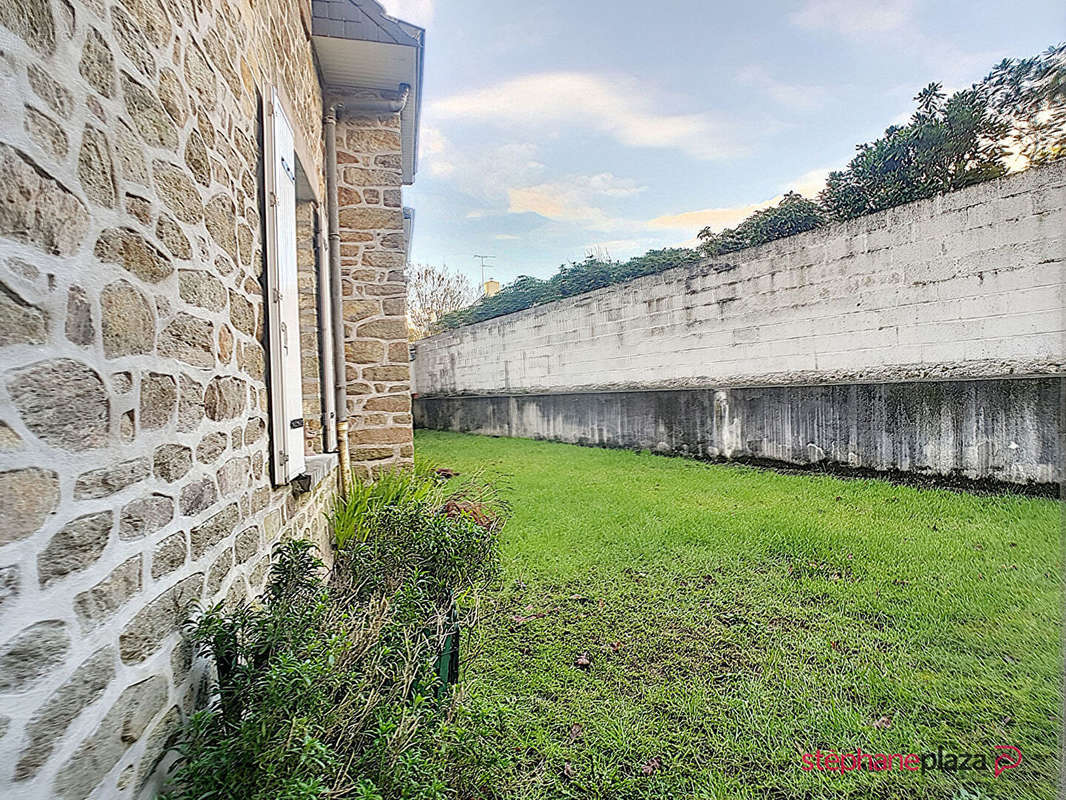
[(417, 12), (810, 182), (434, 152), (893, 25), (861, 18), (506, 237), (717, 218), (620, 108), (574, 199), (792, 95), (508, 178), (483, 173), (807, 184)]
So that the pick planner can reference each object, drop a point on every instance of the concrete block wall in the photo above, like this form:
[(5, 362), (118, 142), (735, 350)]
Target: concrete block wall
[(963, 293), (963, 285)]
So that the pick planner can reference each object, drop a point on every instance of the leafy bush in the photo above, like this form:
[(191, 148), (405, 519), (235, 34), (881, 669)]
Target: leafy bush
[(950, 143), (327, 687), (572, 279), (794, 214)]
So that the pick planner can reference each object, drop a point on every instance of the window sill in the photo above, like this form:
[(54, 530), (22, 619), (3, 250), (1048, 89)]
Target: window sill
[(318, 468)]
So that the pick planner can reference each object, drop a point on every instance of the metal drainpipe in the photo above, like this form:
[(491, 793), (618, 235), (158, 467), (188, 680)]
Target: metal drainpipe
[(325, 332), (358, 106), (336, 287)]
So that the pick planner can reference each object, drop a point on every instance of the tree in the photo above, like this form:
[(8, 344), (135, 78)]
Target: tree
[(433, 292), (1028, 96), (948, 144)]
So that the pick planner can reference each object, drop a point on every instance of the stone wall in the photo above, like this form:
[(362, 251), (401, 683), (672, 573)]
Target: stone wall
[(963, 287), (375, 290), (134, 426)]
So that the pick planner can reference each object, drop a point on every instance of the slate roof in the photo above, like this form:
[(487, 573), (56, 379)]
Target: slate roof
[(364, 20)]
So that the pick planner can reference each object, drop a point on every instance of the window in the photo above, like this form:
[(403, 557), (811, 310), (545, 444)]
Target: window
[(282, 301)]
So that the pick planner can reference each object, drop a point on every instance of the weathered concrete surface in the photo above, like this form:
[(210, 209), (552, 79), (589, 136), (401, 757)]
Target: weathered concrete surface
[(969, 284), (927, 339), (1001, 430)]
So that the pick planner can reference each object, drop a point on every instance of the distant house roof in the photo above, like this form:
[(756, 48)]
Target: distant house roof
[(360, 47)]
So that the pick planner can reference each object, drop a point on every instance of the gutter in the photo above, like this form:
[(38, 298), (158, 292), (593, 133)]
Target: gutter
[(336, 287), (362, 107)]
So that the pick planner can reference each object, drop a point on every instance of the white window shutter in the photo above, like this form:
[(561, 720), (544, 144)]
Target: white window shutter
[(282, 302)]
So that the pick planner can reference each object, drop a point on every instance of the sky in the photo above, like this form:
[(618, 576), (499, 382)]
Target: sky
[(552, 129)]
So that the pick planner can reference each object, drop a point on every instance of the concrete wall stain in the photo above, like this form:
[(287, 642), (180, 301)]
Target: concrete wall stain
[(999, 431)]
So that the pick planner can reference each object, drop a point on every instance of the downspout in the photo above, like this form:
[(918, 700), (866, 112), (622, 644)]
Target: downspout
[(325, 333), (336, 287), (359, 106)]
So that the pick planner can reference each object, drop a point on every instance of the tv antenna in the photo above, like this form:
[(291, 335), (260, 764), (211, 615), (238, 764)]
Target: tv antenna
[(483, 260)]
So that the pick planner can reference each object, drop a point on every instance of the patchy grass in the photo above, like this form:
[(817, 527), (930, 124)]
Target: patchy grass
[(736, 618)]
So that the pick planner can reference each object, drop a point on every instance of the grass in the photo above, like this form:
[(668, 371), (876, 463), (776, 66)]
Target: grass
[(737, 618)]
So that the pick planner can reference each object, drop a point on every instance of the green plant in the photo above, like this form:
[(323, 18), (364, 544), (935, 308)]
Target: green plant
[(329, 688), (355, 516), (794, 214), (572, 279), (1028, 95), (949, 143)]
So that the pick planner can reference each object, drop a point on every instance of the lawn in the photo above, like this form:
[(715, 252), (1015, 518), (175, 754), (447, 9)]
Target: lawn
[(734, 619)]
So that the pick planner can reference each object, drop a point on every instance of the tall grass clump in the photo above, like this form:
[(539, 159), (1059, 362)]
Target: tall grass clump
[(422, 489), (354, 517)]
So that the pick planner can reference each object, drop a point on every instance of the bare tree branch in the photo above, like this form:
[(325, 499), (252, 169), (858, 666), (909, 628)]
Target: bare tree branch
[(433, 292)]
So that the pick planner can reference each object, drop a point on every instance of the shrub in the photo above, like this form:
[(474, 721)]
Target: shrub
[(419, 556), (354, 517), (949, 143), (572, 279), (327, 687), (794, 214)]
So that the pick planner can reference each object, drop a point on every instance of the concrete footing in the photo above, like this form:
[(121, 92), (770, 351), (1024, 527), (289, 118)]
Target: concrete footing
[(999, 431)]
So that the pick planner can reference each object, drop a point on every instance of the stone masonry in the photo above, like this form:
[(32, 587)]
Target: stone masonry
[(374, 305), (134, 425)]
